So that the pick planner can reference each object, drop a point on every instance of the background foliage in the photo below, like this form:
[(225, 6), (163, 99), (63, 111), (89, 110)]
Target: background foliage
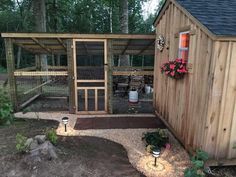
[(72, 16)]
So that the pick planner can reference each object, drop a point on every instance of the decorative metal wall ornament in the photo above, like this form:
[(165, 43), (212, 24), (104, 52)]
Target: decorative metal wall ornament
[(160, 42)]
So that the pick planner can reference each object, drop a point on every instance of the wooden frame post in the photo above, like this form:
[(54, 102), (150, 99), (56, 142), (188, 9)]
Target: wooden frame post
[(109, 76), (38, 67), (10, 69), (71, 77)]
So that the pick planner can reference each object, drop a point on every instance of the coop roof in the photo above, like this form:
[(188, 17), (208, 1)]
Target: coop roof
[(218, 16), (42, 43)]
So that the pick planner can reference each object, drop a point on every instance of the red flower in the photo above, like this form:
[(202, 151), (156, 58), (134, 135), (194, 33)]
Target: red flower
[(172, 66), (183, 70), (178, 60), (175, 69)]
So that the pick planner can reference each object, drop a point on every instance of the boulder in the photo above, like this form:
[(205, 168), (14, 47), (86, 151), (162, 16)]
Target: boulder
[(28, 142), (40, 138), (44, 151), (34, 144)]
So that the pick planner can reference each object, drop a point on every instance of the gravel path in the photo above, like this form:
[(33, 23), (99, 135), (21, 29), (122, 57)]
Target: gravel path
[(171, 162)]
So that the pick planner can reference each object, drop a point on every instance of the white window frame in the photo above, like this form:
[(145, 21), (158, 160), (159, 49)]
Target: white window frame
[(180, 49)]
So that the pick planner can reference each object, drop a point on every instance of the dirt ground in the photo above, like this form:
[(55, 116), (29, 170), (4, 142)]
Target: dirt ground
[(78, 156)]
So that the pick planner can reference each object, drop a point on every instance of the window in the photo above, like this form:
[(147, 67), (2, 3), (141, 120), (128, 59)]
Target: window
[(184, 45)]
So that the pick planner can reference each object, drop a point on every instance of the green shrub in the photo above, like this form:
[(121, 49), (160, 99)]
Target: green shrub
[(6, 110), (21, 143), (197, 168), (157, 139), (52, 136)]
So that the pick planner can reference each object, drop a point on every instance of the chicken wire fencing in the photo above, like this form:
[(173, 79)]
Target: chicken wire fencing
[(43, 88)]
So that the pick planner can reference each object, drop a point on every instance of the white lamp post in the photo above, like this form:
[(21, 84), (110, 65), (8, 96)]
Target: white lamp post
[(65, 122), (156, 154)]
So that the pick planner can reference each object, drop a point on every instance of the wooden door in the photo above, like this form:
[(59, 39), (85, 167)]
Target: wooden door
[(90, 76)]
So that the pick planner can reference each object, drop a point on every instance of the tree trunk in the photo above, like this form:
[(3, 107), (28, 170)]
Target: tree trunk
[(124, 27), (18, 57), (111, 23), (124, 20), (39, 12), (53, 60), (58, 60), (55, 17)]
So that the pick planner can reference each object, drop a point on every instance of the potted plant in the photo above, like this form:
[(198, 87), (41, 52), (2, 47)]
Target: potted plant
[(175, 69)]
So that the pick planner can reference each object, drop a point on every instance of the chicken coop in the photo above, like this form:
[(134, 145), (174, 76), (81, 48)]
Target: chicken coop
[(79, 73)]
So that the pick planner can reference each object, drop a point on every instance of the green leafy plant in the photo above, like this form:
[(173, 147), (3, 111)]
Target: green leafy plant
[(21, 145), (6, 110), (197, 168), (52, 136), (157, 139)]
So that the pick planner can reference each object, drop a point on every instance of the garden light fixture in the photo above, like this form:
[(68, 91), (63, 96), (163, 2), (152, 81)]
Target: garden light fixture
[(65, 122), (156, 154)]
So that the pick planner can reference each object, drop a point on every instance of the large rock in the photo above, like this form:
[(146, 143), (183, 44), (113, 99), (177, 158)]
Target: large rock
[(28, 142), (34, 144), (44, 151), (40, 138)]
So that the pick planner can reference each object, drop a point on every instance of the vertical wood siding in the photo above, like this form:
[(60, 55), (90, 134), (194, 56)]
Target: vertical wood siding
[(200, 108)]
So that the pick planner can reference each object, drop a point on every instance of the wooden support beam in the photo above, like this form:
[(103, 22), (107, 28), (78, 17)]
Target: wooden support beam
[(145, 48), (62, 43), (27, 69), (23, 47), (92, 113), (29, 101), (96, 99), (132, 73), (10, 68), (40, 73), (109, 75), (86, 99), (71, 79), (37, 87), (38, 66), (90, 88), (126, 47), (90, 81), (133, 67), (79, 36), (41, 45)]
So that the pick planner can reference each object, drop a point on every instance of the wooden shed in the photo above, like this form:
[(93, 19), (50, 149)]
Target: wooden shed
[(82, 83), (200, 108)]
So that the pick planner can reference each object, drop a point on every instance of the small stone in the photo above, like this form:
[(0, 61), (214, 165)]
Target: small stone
[(40, 138), (28, 142), (34, 144)]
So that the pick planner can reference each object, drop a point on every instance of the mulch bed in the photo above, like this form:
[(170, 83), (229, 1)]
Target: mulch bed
[(118, 123), (77, 156)]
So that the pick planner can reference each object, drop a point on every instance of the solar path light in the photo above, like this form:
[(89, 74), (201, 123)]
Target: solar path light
[(156, 154), (65, 122)]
